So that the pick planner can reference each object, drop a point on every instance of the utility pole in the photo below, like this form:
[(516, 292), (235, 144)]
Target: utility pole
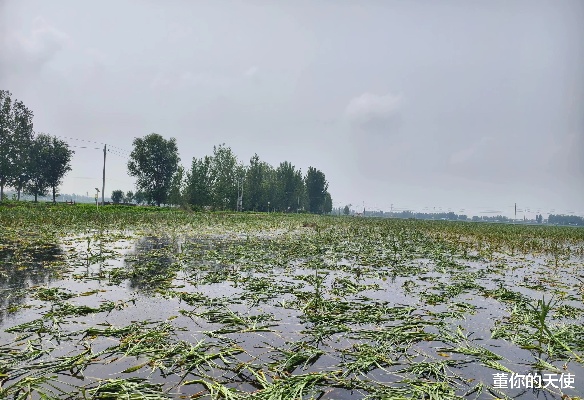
[(240, 195), (103, 182), (515, 211)]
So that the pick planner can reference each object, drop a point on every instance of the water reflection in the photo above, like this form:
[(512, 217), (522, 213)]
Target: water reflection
[(21, 267), (153, 264)]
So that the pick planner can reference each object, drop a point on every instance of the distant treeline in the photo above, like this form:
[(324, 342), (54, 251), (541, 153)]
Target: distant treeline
[(221, 182), (565, 220), (451, 216)]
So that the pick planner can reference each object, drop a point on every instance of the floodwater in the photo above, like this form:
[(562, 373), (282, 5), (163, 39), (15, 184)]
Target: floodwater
[(260, 310)]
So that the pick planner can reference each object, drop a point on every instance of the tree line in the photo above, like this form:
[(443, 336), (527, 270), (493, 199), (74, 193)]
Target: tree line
[(222, 182), (565, 220), (451, 216), (30, 163)]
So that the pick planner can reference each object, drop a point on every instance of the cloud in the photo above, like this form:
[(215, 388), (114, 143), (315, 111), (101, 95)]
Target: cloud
[(204, 79), (465, 155), (93, 65), (177, 32), (164, 80), (160, 81), (368, 106), (565, 156), (375, 113), (251, 72), (33, 50), (96, 56), (492, 159)]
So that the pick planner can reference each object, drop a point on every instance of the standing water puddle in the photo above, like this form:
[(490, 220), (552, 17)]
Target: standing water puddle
[(290, 314)]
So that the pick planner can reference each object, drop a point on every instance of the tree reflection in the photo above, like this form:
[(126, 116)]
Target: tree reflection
[(21, 267), (153, 264)]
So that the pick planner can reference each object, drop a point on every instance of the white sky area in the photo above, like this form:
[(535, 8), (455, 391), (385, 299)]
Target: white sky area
[(452, 105)]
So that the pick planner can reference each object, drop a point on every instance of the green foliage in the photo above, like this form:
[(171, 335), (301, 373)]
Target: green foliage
[(223, 177), (22, 140), (257, 179), (38, 183), (199, 182), (16, 135), (316, 187), (177, 187), (139, 197), (154, 161), (58, 163), (216, 181), (289, 187), (328, 203), (117, 196), (6, 139), (565, 220), (28, 163)]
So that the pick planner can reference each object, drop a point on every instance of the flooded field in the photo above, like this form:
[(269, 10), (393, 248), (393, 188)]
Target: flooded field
[(152, 305)]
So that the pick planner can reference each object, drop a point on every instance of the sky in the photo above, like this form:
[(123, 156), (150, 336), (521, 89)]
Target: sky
[(464, 106)]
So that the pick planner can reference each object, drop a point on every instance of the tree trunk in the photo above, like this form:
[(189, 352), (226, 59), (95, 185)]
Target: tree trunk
[(35, 198), (2, 190), (18, 190), (53, 194)]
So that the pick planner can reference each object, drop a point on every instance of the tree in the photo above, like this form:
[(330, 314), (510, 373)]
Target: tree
[(140, 197), (316, 187), (129, 197), (117, 196), (199, 183), (254, 181), (289, 187), (153, 162), (346, 210), (223, 174), (261, 185), (6, 139), (23, 135), (175, 195), (328, 203), (59, 163), (38, 183)]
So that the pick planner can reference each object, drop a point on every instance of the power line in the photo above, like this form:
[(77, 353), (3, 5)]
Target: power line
[(84, 147), (81, 140), (118, 151), (118, 154), (121, 150)]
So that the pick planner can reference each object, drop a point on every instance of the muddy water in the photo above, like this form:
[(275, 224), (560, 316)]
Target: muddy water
[(265, 312)]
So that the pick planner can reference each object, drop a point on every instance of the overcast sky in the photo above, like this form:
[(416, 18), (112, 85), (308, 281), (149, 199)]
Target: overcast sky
[(460, 105)]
